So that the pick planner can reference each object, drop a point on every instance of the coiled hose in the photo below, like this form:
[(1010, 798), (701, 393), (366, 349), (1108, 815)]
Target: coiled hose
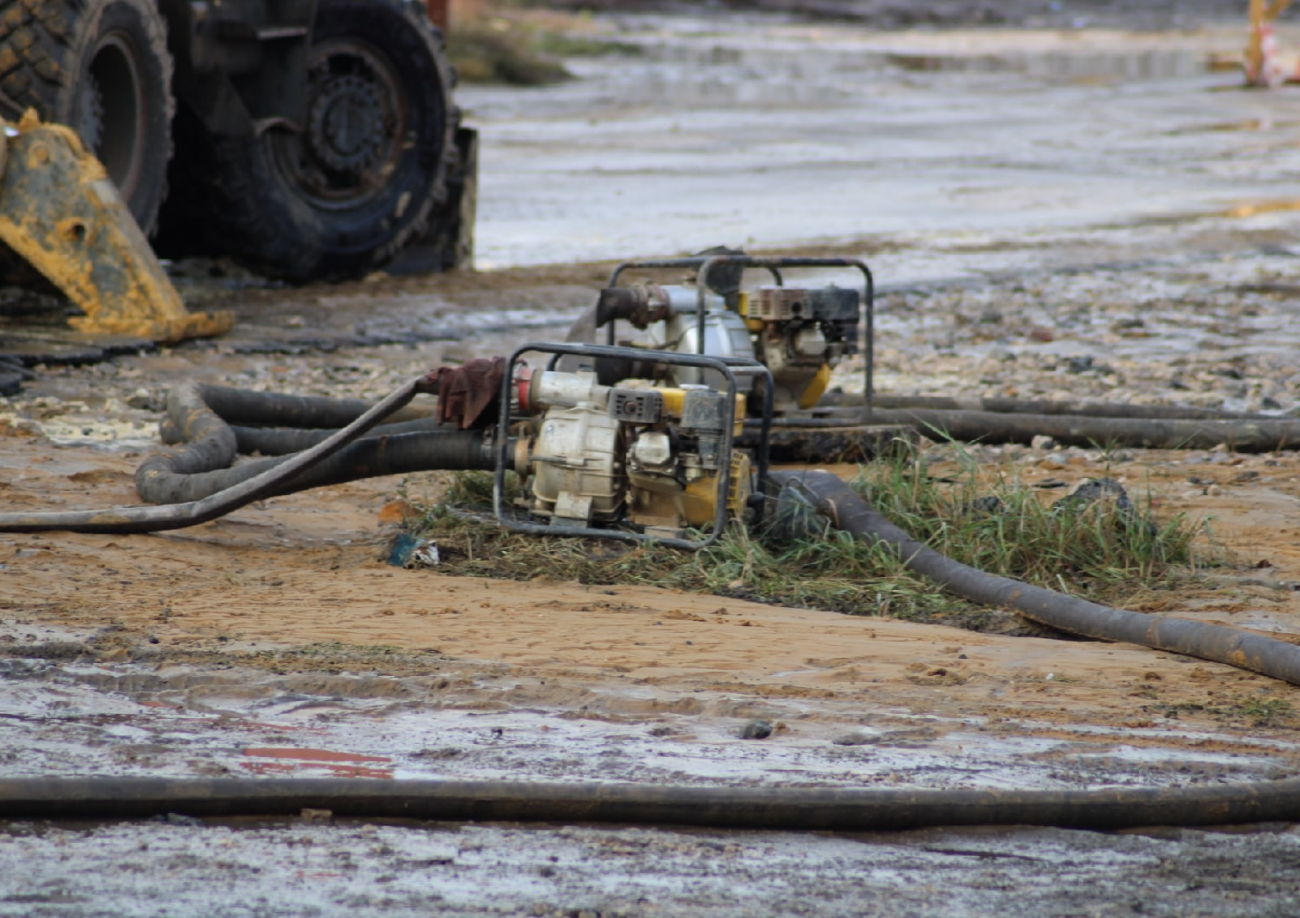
[(194, 484), (833, 497), (208, 444)]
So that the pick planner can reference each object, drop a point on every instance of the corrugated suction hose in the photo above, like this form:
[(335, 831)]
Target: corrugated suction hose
[(833, 497), (834, 809)]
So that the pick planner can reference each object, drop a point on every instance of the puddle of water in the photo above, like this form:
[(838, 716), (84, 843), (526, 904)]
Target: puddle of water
[(775, 135), (89, 728), (1141, 64)]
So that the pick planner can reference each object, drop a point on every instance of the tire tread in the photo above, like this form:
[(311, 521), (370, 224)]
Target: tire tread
[(39, 44)]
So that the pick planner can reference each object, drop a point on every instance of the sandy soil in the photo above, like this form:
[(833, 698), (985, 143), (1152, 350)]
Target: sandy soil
[(276, 641)]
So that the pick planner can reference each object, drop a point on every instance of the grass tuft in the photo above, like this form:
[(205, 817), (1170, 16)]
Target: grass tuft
[(1103, 550), (502, 45)]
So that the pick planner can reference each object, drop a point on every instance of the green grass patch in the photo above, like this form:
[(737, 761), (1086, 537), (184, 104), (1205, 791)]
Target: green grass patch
[(499, 51), (519, 52), (1104, 548), (1098, 549)]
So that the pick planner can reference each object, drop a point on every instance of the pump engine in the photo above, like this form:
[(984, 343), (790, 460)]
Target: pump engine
[(800, 334), (640, 457)]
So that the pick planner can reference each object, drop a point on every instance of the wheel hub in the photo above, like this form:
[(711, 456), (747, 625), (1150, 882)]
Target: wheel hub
[(349, 124), (356, 112)]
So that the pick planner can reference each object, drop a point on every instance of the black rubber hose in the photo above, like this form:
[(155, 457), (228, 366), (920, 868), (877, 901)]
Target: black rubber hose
[(274, 409), (1244, 436), (281, 441), (846, 510), (371, 457), (772, 808), (215, 439), (1082, 408)]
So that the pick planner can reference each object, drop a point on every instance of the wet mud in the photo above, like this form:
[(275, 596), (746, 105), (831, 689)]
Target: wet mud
[(1145, 252)]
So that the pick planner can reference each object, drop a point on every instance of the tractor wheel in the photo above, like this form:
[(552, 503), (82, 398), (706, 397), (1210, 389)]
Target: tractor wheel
[(102, 68), (360, 180)]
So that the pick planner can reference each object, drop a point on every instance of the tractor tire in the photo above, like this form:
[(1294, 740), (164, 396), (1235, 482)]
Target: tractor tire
[(102, 68), (361, 180)]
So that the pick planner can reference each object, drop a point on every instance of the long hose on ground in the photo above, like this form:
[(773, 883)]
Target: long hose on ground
[(835, 499), (1081, 407), (848, 809), (194, 486), (1243, 436), (1068, 422)]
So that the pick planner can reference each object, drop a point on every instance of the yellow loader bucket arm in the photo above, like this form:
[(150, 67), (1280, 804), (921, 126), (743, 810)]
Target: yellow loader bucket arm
[(61, 214)]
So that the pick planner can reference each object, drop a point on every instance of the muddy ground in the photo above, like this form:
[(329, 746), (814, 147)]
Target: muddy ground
[(1152, 257)]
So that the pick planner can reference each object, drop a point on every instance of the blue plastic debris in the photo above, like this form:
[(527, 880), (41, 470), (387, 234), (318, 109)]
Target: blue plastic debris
[(411, 552)]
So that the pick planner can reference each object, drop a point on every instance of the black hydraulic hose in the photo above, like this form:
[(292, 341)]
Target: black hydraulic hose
[(214, 439), (846, 510), (1244, 436), (371, 457), (848, 809)]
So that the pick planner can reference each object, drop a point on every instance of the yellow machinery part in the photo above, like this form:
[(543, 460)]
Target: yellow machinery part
[(816, 388), (61, 214), (742, 308), (675, 402), (700, 499)]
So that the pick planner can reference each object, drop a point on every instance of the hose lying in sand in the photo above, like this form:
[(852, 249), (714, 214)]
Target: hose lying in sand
[(281, 441), (213, 439), (1243, 436), (849, 809), (833, 497), (1080, 407), (275, 409)]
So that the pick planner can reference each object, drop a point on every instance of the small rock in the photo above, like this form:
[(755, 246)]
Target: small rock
[(1042, 443), (178, 819), (756, 729), (144, 400), (989, 505), (855, 739)]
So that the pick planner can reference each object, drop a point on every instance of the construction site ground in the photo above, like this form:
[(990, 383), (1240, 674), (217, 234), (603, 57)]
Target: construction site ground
[(1077, 214)]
